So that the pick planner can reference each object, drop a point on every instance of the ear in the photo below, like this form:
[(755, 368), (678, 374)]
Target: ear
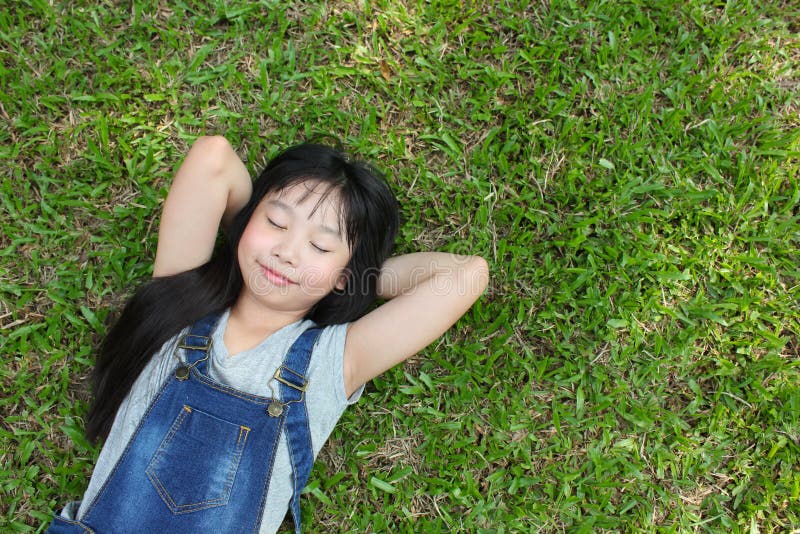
[(341, 280)]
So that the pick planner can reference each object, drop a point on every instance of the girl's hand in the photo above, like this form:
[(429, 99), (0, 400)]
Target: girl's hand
[(428, 292), (211, 185)]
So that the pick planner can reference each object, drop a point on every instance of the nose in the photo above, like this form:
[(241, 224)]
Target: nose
[(286, 250)]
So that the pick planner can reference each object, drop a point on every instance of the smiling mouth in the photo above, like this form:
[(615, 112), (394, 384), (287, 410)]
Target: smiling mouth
[(276, 278)]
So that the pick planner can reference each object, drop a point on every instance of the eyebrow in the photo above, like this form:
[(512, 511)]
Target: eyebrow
[(286, 207)]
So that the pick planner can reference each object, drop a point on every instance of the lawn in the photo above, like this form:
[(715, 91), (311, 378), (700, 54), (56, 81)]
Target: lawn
[(629, 169)]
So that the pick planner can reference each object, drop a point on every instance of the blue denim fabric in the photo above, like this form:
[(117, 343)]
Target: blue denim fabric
[(201, 459), (301, 452)]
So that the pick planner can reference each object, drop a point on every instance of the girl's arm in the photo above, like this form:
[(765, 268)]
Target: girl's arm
[(211, 185), (427, 292)]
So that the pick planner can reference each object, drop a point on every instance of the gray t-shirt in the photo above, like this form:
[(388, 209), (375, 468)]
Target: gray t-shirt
[(248, 371)]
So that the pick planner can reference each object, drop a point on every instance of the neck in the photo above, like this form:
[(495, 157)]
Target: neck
[(249, 323), (251, 319)]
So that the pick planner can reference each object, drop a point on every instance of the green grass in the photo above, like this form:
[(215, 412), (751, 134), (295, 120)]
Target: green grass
[(629, 169)]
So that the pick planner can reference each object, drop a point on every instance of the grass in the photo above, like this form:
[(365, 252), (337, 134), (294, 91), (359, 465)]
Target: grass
[(630, 169)]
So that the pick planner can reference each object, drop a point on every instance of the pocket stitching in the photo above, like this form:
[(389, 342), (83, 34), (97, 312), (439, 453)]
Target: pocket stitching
[(161, 489)]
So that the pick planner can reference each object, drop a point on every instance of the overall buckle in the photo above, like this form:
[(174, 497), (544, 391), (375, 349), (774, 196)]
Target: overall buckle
[(186, 344), (277, 376)]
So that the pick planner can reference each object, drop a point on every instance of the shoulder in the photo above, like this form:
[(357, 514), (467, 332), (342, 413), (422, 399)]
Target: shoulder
[(326, 368), (330, 341)]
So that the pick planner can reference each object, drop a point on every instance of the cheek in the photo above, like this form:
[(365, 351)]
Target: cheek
[(250, 237), (327, 273), (247, 244), (242, 246)]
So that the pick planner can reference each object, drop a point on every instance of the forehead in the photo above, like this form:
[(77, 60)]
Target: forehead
[(312, 198)]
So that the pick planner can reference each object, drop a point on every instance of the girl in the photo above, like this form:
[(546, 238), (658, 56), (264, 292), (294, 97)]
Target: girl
[(225, 374)]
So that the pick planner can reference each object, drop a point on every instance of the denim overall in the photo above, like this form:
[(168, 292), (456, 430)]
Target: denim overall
[(201, 459)]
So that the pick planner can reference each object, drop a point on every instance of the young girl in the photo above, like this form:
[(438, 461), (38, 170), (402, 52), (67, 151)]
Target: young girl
[(225, 374)]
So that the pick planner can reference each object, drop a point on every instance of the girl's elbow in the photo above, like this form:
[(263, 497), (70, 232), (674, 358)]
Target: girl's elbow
[(215, 151), (477, 269), (212, 143), (483, 272)]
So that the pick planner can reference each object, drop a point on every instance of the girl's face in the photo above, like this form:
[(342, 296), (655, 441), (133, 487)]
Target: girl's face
[(293, 251)]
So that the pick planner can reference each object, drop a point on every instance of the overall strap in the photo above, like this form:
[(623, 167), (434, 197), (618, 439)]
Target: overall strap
[(197, 343), (291, 376)]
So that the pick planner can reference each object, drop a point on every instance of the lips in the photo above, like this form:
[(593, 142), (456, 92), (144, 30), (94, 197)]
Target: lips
[(276, 278)]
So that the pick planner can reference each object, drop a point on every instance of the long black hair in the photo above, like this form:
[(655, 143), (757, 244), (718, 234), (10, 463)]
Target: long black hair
[(162, 307)]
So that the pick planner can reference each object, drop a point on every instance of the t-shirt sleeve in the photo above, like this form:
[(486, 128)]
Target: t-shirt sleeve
[(331, 344), (326, 396)]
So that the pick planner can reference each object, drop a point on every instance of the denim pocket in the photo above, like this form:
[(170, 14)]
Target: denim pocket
[(195, 465)]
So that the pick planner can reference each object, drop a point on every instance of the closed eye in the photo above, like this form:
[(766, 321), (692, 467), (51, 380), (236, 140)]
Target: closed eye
[(320, 249), (276, 225)]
